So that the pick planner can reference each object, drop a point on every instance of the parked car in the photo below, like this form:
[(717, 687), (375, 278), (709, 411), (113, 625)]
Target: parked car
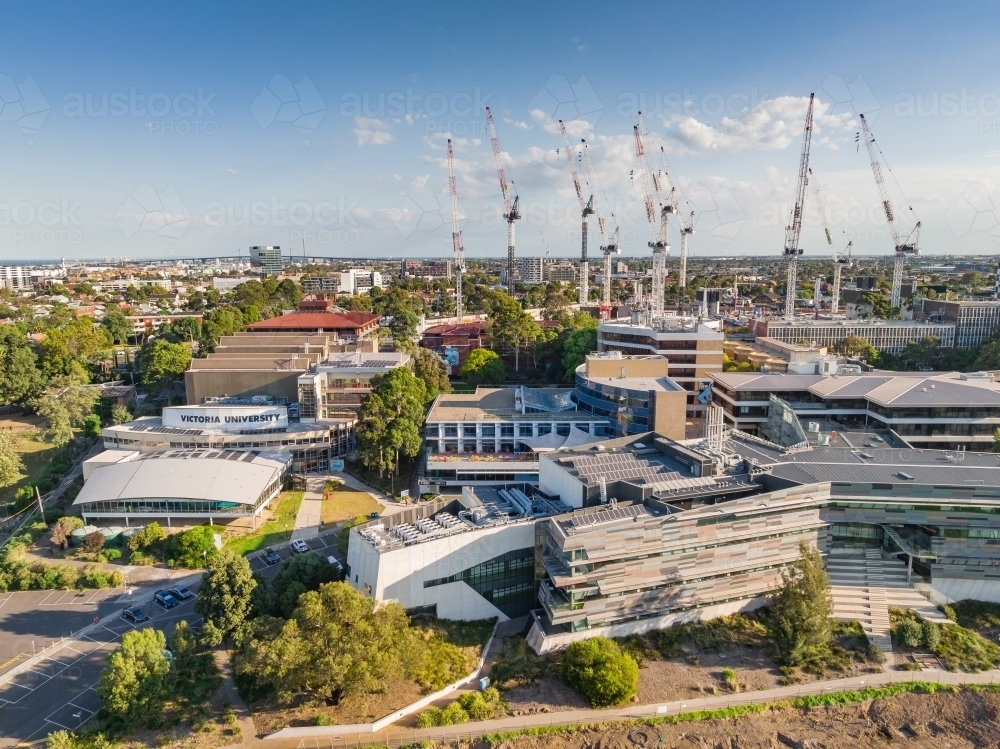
[(181, 593), (164, 598), (271, 556), (335, 563), (299, 547), (134, 615)]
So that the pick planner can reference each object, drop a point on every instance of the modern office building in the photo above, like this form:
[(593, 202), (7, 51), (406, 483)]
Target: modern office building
[(14, 277), (358, 281), (974, 322), (691, 346), (335, 386), (636, 394), (268, 259), (946, 411), (238, 425), (885, 335), (194, 486), (493, 437)]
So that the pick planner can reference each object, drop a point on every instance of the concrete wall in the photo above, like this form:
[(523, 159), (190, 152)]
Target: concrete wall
[(669, 413), (207, 383), (651, 367), (399, 574)]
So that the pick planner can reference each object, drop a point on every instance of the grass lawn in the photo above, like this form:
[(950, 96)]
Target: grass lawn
[(36, 455), (277, 530), (386, 484), (342, 504)]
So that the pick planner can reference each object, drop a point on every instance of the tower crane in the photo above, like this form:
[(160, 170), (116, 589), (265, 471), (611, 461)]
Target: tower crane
[(794, 228), (838, 261), (909, 246), (456, 234), (653, 184), (687, 229), (586, 209), (511, 211), (609, 246)]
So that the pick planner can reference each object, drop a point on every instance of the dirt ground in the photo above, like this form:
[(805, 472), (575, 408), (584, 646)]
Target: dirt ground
[(268, 717), (21, 423), (942, 721), (670, 679)]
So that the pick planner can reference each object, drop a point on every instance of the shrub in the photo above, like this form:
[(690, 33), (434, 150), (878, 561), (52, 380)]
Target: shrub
[(482, 705), (948, 611), (729, 678), (909, 633), (139, 559), (931, 635), (192, 548), (146, 537), (321, 720), (93, 542), (450, 716), (63, 527), (112, 554), (600, 671)]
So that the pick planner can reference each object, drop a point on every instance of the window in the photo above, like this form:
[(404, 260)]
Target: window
[(451, 430), (506, 430), (524, 430), (544, 429), (489, 431), (469, 430)]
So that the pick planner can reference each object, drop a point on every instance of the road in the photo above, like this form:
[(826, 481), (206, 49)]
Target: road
[(58, 692)]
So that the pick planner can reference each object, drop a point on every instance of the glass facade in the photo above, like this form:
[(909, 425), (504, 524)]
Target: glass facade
[(506, 581)]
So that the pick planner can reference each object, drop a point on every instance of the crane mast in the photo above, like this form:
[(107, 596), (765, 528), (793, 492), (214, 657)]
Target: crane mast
[(652, 184), (511, 212), (609, 246), (794, 228), (687, 229), (456, 234), (838, 262), (586, 209), (902, 248)]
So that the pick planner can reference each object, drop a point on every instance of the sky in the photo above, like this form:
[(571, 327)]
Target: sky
[(200, 129)]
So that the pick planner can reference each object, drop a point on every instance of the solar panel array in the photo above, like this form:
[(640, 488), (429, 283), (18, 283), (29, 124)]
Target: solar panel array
[(369, 363), (611, 513), (166, 430), (620, 467)]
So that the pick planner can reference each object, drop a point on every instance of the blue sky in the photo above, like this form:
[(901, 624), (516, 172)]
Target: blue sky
[(198, 129)]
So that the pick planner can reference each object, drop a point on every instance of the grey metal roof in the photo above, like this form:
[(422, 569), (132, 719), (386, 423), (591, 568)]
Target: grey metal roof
[(207, 475)]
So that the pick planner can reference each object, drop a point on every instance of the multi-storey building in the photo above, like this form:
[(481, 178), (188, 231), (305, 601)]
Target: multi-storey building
[(634, 393), (336, 385), (885, 335), (560, 271), (14, 277), (974, 322), (938, 411), (321, 284), (692, 347), (530, 270), (494, 436), (426, 268), (268, 259)]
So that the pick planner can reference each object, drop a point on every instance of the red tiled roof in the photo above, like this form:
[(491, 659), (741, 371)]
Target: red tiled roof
[(473, 329), (316, 320)]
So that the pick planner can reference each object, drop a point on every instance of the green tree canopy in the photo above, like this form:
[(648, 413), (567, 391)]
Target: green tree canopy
[(508, 326), (11, 465), (390, 419), (20, 379), (578, 344), (117, 325), (483, 367), (600, 671), (225, 596), (65, 404), (337, 644), (430, 368), (162, 361), (801, 611), (134, 682)]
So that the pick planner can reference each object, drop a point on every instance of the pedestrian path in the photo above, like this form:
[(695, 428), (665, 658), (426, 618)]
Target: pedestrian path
[(310, 511)]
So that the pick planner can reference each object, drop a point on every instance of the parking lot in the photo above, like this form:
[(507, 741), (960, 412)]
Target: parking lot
[(325, 544), (59, 691)]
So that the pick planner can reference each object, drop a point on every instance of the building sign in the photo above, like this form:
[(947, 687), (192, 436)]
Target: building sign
[(226, 419)]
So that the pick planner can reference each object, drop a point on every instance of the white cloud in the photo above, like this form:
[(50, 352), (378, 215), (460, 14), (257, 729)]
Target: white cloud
[(773, 125), (519, 124), (372, 130), (231, 171)]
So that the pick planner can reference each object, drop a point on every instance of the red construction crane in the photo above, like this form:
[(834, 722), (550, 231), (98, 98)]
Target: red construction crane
[(794, 228), (511, 211), (902, 248), (456, 233), (586, 209), (655, 183)]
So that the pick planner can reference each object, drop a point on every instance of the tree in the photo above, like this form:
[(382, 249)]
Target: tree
[(578, 344), (134, 682), (295, 576), (852, 345), (146, 537), (338, 643), (117, 325), (430, 368), (508, 326), (65, 404), (92, 425), (93, 542), (404, 324), (881, 307), (390, 419), (801, 611), (600, 671), (20, 380), (193, 548), (120, 415), (11, 465), (483, 367), (225, 596), (63, 528), (67, 350), (162, 361)]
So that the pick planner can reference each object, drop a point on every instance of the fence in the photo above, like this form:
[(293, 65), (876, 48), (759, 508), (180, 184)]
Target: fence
[(346, 736)]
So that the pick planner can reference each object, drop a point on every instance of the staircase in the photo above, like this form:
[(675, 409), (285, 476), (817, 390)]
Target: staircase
[(864, 586)]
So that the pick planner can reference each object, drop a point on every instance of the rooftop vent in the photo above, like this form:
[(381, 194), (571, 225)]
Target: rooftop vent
[(904, 475)]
